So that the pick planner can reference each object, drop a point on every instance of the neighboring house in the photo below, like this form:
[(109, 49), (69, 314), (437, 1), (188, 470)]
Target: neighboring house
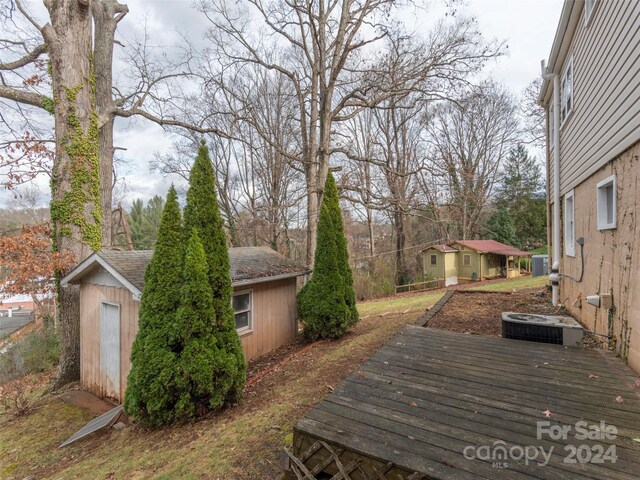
[(471, 260), (16, 302), (591, 94), (441, 263), (111, 283)]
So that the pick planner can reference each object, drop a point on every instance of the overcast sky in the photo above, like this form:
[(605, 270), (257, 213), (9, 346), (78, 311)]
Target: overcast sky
[(528, 27)]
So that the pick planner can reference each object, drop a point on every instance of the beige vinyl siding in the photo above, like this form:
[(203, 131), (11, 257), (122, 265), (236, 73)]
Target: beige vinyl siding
[(606, 98)]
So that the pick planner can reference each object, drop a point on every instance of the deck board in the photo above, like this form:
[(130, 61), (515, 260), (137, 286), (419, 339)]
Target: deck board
[(427, 394)]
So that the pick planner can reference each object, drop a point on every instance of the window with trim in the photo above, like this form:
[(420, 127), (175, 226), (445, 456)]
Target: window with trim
[(607, 203), (569, 225), (242, 303), (588, 8), (434, 259), (566, 91), (466, 260)]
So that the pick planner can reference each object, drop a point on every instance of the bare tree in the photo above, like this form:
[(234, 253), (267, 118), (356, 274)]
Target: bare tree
[(533, 115), (468, 141), (76, 86), (321, 45)]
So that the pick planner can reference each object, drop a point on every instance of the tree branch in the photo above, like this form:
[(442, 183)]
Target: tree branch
[(168, 122), (27, 59), (28, 98)]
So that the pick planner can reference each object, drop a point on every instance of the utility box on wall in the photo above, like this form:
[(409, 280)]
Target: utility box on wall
[(539, 265)]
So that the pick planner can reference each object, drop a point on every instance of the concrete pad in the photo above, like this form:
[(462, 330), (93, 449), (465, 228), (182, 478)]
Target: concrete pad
[(86, 401)]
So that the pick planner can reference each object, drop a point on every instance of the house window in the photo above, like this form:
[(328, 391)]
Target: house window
[(588, 8), (607, 203), (569, 226), (466, 260), (434, 259), (242, 303), (566, 97)]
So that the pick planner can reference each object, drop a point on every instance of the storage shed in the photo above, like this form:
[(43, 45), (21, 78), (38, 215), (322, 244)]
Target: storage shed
[(440, 262), (111, 283)]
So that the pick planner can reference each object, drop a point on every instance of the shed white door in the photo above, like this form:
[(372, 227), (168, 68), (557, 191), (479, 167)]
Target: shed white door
[(110, 349)]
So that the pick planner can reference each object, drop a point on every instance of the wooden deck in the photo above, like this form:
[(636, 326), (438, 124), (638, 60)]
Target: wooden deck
[(427, 395)]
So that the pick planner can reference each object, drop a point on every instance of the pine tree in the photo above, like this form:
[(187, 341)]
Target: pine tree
[(145, 221), (500, 228), (207, 373), (202, 213), (326, 304), (519, 193), (151, 390)]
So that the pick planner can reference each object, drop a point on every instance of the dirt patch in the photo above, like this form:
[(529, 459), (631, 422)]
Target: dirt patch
[(480, 313)]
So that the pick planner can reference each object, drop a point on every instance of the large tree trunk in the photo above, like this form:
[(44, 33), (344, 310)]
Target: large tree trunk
[(402, 274), (106, 15), (75, 197)]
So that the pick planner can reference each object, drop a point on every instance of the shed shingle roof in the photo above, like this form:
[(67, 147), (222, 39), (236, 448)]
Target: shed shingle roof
[(248, 265)]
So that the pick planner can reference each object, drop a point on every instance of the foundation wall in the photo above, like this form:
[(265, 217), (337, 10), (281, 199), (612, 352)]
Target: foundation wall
[(611, 258)]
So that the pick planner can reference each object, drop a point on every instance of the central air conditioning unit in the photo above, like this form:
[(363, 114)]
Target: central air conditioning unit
[(559, 330)]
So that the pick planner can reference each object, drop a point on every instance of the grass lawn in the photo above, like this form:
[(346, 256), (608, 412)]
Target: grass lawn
[(418, 302), (519, 284), (244, 442)]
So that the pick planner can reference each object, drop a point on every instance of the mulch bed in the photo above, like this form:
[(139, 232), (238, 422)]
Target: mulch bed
[(480, 313)]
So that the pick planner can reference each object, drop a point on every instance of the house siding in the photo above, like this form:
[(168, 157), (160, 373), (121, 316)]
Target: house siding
[(611, 259), (606, 101), (465, 272)]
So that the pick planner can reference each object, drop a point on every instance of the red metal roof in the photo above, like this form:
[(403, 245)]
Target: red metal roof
[(491, 246)]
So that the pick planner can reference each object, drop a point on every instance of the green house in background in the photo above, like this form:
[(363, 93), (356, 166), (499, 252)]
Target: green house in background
[(441, 262), (472, 260)]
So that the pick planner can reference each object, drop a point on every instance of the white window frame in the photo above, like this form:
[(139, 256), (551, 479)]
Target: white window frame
[(564, 111), (249, 327), (570, 225), (601, 203), (589, 5)]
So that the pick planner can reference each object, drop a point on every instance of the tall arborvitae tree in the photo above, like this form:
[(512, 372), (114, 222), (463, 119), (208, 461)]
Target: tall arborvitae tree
[(207, 373), (151, 389), (326, 304), (202, 213)]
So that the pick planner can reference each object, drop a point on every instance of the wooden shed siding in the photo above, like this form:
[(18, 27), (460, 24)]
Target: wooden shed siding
[(606, 98), (273, 317), (90, 298)]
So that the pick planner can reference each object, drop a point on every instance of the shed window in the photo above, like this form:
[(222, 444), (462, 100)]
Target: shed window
[(466, 260), (242, 304), (569, 225), (434, 259), (566, 92), (607, 203)]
